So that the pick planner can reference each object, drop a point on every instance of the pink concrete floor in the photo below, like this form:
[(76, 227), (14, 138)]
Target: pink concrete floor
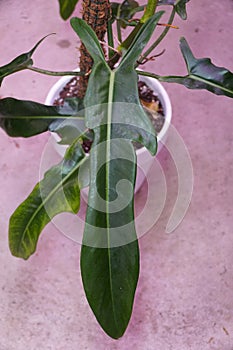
[(184, 298)]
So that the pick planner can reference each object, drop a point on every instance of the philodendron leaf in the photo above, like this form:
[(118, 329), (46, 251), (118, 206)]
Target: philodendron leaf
[(67, 8), (19, 63), (123, 11), (58, 192), (21, 118), (179, 5), (203, 74), (110, 255)]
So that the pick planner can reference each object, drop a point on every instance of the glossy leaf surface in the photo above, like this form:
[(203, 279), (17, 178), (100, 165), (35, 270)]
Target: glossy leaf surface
[(57, 192), (67, 8), (110, 256), (19, 63), (203, 74)]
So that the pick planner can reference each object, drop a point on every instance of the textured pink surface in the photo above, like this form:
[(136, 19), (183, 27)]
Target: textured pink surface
[(184, 298)]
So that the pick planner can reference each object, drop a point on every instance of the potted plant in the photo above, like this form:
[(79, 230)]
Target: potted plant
[(113, 118)]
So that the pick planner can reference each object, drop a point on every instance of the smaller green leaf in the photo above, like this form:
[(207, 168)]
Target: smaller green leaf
[(67, 8), (19, 63), (58, 192), (179, 5), (140, 41), (123, 12), (202, 74), (21, 118), (88, 36)]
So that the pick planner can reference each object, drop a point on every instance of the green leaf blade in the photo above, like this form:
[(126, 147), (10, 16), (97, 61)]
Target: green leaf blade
[(215, 79), (123, 11), (21, 62), (21, 118), (110, 256), (202, 74), (179, 5), (140, 41), (67, 7), (110, 284), (57, 192), (89, 39)]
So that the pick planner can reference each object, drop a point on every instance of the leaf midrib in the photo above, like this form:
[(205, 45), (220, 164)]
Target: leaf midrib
[(108, 152), (208, 82)]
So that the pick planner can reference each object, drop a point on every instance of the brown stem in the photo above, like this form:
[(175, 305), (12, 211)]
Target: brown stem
[(96, 14)]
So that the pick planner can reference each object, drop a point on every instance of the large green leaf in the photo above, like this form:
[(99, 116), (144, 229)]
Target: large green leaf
[(57, 192), (110, 256), (67, 8), (21, 118), (179, 5), (203, 74), (19, 63)]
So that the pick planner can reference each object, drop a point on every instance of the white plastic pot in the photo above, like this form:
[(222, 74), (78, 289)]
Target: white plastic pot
[(144, 158)]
